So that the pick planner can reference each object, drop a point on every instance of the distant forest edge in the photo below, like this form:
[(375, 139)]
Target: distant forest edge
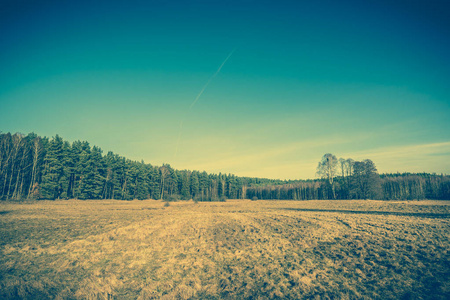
[(34, 167)]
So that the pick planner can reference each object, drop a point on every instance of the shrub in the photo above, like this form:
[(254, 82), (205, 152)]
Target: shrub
[(172, 198), (254, 198)]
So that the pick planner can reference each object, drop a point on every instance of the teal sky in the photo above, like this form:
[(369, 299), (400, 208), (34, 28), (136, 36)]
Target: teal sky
[(359, 79)]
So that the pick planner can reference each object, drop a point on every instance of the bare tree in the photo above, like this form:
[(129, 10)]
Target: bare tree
[(17, 194), (342, 166), (327, 169), (164, 170), (5, 157), (37, 149), (17, 141), (349, 167), (244, 191)]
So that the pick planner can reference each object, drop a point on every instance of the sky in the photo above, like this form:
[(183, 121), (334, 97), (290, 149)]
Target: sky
[(252, 88)]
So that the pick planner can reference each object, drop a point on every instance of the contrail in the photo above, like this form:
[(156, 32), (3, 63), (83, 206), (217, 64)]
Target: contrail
[(199, 95), (211, 78)]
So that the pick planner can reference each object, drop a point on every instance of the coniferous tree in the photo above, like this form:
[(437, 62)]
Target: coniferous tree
[(140, 184), (173, 182), (220, 186), (92, 173), (69, 169), (39, 168), (122, 171), (154, 183), (194, 184), (184, 192), (108, 190), (203, 181), (54, 180)]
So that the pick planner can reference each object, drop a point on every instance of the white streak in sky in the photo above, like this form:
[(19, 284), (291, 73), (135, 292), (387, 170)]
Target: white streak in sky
[(211, 78), (199, 95)]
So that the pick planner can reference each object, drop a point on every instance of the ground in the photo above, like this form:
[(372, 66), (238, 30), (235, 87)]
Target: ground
[(238, 249)]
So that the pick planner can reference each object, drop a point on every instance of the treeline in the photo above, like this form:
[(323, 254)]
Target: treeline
[(392, 187), (349, 179), (34, 167), (415, 186)]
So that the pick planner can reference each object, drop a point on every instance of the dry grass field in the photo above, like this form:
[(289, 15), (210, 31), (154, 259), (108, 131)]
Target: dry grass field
[(237, 249)]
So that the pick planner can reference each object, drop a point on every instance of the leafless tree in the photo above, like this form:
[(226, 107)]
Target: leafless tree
[(327, 169), (164, 170), (37, 149), (17, 141)]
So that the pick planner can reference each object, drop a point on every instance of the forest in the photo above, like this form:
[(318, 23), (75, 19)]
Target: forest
[(34, 167)]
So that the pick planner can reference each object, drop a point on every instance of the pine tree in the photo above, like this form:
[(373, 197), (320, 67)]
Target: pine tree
[(91, 173), (185, 194), (138, 184), (172, 182), (112, 175), (82, 151), (220, 186), (68, 162), (194, 184), (154, 183), (54, 180)]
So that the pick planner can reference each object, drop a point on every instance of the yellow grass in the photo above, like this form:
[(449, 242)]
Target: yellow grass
[(237, 249)]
